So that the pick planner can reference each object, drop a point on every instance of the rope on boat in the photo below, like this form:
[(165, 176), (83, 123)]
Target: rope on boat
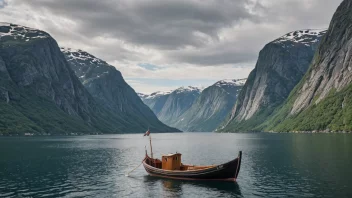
[(133, 169)]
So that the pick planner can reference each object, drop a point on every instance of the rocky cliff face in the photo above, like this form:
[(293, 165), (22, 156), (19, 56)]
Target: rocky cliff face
[(33, 70), (280, 66), (332, 66), (322, 100), (108, 87), (211, 107), (31, 59)]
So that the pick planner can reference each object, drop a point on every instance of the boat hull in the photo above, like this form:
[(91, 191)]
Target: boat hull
[(223, 172)]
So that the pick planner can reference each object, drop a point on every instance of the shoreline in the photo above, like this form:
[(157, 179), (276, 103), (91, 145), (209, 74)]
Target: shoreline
[(306, 132), (95, 134), (318, 132)]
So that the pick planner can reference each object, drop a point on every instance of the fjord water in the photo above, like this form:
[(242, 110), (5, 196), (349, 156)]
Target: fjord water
[(273, 165)]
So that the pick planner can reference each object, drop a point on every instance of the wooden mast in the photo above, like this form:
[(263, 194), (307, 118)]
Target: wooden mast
[(151, 148), (150, 142)]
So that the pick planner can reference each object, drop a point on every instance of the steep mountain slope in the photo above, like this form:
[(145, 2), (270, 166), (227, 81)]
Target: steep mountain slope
[(169, 106), (280, 66), (156, 100), (211, 107), (108, 87), (39, 91), (178, 102), (323, 99), (142, 95)]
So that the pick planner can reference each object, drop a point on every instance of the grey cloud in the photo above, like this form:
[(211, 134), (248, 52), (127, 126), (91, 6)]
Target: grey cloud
[(170, 25), (304, 14), (161, 24), (227, 53), (216, 58)]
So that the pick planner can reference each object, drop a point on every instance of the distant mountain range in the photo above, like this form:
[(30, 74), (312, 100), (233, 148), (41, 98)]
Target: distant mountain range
[(211, 107), (194, 109), (39, 92), (169, 106)]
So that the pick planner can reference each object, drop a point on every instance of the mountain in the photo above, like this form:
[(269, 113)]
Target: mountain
[(142, 95), (323, 99), (156, 100), (107, 86), (211, 107), (179, 101), (194, 109), (169, 106), (281, 65), (39, 92)]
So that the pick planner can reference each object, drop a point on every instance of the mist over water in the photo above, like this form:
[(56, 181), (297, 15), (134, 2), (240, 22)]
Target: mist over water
[(273, 165)]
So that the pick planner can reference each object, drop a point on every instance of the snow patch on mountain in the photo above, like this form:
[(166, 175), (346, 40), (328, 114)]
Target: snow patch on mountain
[(15, 32), (177, 91), (142, 95), (231, 82), (81, 56), (188, 89), (306, 37), (156, 94)]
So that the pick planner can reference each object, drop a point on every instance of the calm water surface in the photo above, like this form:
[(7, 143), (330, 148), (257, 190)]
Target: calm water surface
[(273, 165)]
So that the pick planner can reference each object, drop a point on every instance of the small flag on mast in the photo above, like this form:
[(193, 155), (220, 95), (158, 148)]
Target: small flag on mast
[(147, 133)]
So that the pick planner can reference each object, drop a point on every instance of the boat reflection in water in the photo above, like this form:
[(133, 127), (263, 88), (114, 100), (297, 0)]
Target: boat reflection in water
[(176, 188)]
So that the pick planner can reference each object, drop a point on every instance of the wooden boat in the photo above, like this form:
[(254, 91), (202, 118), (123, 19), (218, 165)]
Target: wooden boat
[(170, 166)]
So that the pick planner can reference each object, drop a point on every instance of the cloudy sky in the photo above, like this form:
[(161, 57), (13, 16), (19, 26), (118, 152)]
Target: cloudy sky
[(164, 44)]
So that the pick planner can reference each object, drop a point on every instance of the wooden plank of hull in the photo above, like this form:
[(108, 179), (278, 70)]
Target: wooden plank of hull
[(225, 172), (193, 179)]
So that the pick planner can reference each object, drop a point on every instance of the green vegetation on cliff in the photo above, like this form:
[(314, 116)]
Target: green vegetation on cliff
[(333, 113)]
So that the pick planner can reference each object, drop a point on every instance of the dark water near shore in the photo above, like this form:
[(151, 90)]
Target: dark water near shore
[(273, 165)]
